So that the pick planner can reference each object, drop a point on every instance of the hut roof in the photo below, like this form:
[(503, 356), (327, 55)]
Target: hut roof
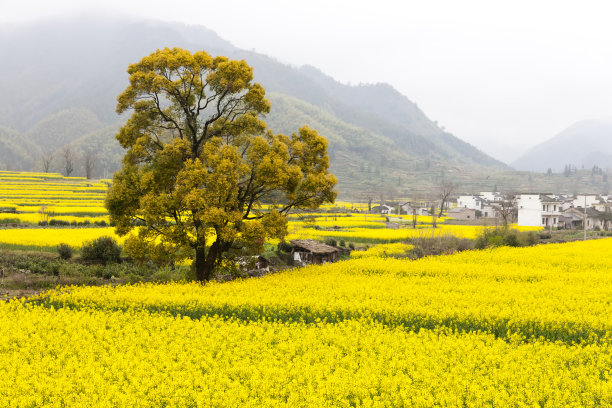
[(313, 246)]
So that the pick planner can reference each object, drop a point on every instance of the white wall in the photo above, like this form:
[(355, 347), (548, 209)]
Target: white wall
[(529, 210), (469, 202), (590, 200)]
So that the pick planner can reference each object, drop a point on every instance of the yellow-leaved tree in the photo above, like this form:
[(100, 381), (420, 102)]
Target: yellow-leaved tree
[(200, 162)]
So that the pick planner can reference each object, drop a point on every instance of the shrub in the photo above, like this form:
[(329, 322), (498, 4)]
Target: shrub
[(532, 238), (64, 251), (103, 249), (511, 239), (351, 246), (10, 221), (331, 242), (545, 235), (284, 247), (342, 243), (54, 222)]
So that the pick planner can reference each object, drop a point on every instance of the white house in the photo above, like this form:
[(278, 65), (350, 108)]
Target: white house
[(539, 210), (470, 201), (588, 199), (382, 209), (491, 196), (489, 211)]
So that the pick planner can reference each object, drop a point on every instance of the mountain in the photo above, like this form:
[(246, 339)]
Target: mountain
[(60, 79), (585, 144)]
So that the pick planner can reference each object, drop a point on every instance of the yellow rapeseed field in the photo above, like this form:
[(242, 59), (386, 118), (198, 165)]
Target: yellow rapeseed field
[(503, 327), (51, 237)]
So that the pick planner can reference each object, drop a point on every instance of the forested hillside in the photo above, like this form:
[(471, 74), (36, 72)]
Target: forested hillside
[(60, 80)]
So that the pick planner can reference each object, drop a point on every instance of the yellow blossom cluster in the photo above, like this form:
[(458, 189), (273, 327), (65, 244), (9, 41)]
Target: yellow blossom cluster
[(383, 250), (51, 237)]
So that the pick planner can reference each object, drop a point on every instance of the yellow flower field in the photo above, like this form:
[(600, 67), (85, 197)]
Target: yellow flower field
[(383, 250), (502, 327), (51, 237), (387, 235)]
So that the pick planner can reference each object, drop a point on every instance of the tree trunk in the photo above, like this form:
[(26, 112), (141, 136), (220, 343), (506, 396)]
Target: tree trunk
[(201, 270)]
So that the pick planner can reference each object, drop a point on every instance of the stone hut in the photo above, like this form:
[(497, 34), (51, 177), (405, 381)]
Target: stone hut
[(308, 251)]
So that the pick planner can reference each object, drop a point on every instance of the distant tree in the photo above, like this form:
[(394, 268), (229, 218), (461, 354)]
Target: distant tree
[(606, 217), (89, 163), (46, 159), (507, 208), (68, 156), (445, 190), (549, 172), (200, 163), (433, 215)]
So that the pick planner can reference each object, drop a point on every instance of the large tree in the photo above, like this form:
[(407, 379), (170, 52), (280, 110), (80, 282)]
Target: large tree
[(202, 174)]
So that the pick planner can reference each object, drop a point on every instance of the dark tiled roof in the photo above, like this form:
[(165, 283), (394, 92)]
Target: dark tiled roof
[(313, 246)]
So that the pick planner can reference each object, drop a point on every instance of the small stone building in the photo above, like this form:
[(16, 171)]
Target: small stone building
[(462, 213), (308, 251)]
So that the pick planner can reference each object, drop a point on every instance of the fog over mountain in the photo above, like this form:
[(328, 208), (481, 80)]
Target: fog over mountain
[(60, 79), (585, 144)]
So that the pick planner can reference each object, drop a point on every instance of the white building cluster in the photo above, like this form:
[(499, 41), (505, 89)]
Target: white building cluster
[(561, 211), (484, 202)]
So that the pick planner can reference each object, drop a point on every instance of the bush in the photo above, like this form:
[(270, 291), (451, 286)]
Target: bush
[(65, 251), (331, 242), (284, 247), (342, 243), (511, 239), (532, 238), (351, 246), (545, 235), (62, 223), (10, 221), (103, 249)]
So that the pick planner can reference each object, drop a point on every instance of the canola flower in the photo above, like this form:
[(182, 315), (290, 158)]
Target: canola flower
[(558, 292), (371, 235), (34, 218), (501, 327), (383, 250), (52, 237)]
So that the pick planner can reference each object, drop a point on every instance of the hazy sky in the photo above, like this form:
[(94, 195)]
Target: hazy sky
[(503, 76)]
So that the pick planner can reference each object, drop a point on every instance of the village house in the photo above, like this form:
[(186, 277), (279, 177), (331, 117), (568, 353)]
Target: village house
[(588, 200), (308, 251), (381, 209), (557, 211), (539, 210), (488, 211), (461, 213), (572, 218), (408, 209), (490, 196), (473, 202)]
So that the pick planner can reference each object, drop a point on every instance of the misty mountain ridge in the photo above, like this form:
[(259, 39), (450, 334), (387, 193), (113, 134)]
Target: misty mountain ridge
[(585, 144), (61, 78)]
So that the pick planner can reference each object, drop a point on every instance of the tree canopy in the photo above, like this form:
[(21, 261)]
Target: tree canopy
[(202, 174)]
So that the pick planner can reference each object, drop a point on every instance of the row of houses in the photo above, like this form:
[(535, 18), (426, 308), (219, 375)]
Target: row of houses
[(485, 205), (538, 210), (563, 211)]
